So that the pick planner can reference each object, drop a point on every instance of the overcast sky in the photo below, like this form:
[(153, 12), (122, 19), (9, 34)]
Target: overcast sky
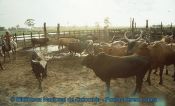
[(86, 12)]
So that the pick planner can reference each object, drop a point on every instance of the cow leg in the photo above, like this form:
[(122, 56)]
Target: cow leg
[(160, 74), (174, 76), (148, 77), (1, 66), (155, 72), (44, 74), (108, 85), (166, 70), (139, 81), (40, 85), (174, 73)]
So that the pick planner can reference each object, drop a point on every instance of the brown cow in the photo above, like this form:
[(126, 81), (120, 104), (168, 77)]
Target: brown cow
[(65, 41), (160, 55)]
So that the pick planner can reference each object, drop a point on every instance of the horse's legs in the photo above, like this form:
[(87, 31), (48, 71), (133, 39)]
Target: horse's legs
[(4, 55), (8, 55), (166, 70), (1, 66)]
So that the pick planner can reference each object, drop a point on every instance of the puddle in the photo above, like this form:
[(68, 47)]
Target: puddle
[(45, 49), (52, 51)]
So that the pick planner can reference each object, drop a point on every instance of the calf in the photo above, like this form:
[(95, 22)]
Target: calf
[(39, 68)]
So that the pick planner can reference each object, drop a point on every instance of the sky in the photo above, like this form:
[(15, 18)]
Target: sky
[(86, 12)]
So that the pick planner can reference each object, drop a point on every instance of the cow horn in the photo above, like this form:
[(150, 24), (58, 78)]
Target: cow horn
[(126, 36), (141, 32)]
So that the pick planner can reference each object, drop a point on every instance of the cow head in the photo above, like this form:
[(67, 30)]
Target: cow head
[(88, 61), (132, 43)]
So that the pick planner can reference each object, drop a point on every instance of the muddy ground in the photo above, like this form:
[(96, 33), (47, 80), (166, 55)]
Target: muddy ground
[(67, 78)]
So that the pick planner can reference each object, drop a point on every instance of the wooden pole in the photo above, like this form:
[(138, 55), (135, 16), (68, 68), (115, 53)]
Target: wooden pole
[(133, 25), (15, 37), (58, 29), (146, 24), (171, 26), (161, 27), (24, 40), (45, 30), (130, 22), (31, 36), (39, 34)]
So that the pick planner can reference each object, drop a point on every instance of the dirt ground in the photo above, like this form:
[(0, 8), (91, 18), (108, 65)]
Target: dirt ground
[(67, 78)]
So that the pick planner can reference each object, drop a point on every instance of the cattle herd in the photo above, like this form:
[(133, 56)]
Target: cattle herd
[(119, 58)]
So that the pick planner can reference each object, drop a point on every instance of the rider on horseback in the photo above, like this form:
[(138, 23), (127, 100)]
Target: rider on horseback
[(7, 37)]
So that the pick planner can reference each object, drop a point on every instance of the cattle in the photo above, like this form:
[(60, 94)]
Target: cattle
[(160, 55), (110, 50), (66, 41), (170, 46), (108, 67), (79, 47), (168, 39), (89, 49), (39, 68), (166, 57), (40, 41), (118, 43), (91, 37)]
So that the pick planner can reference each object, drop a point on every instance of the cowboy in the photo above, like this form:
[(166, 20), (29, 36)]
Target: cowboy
[(7, 37)]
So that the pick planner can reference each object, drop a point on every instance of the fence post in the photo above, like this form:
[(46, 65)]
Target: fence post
[(15, 38), (99, 33), (39, 34), (45, 30), (146, 24), (69, 33), (161, 27), (58, 29), (79, 33), (171, 26), (31, 37), (74, 33), (24, 40)]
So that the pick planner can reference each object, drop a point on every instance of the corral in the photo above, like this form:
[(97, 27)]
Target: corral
[(68, 78)]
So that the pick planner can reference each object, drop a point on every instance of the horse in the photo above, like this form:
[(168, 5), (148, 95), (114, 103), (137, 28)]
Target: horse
[(7, 47)]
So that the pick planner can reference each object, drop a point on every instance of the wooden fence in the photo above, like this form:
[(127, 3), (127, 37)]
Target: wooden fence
[(24, 40), (103, 35)]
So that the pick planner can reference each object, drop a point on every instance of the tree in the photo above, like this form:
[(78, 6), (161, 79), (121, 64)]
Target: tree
[(106, 23), (97, 25), (17, 26), (30, 23)]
